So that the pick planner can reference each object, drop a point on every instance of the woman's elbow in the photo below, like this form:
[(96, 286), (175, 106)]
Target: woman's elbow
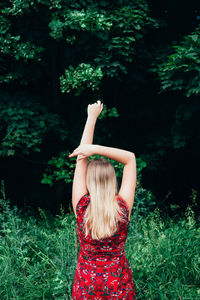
[(132, 155)]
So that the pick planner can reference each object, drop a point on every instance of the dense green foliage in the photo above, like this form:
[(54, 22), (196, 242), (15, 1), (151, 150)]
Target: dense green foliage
[(181, 70), (39, 256), (60, 168), (25, 125), (59, 56), (76, 79)]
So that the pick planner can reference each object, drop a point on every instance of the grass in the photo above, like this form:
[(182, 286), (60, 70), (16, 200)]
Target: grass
[(165, 257), (38, 256)]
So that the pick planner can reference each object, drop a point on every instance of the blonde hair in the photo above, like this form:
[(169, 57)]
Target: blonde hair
[(102, 214)]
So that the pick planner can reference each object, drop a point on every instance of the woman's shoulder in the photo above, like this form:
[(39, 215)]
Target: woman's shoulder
[(82, 203)]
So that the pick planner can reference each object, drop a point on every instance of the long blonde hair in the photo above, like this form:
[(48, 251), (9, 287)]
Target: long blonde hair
[(102, 214)]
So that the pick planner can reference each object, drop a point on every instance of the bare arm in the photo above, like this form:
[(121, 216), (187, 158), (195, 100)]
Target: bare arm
[(117, 154), (79, 187), (128, 184), (88, 132)]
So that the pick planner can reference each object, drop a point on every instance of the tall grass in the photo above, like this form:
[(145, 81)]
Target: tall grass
[(38, 256), (165, 257)]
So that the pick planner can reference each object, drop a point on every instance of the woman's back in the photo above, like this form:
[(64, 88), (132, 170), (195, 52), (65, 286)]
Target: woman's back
[(102, 270)]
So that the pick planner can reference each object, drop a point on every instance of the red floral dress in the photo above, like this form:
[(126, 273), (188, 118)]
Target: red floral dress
[(103, 271)]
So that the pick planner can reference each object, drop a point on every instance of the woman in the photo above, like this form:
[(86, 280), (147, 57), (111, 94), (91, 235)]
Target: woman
[(102, 216)]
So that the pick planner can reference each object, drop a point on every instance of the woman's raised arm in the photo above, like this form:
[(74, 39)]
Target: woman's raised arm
[(79, 188), (85, 150), (120, 155)]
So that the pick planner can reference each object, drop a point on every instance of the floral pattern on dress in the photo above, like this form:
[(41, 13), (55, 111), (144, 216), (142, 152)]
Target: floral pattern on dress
[(102, 271)]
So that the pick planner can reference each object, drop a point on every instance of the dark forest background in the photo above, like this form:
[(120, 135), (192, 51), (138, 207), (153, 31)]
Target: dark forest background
[(140, 58)]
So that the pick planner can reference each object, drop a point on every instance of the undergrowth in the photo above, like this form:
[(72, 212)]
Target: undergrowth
[(38, 256)]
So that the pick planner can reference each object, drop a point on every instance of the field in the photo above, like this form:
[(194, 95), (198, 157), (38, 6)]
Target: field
[(38, 255)]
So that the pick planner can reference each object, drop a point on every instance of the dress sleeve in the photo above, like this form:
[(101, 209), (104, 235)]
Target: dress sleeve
[(81, 205)]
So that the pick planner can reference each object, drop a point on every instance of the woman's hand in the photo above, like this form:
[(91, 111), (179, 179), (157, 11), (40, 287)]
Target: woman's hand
[(83, 151), (95, 109)]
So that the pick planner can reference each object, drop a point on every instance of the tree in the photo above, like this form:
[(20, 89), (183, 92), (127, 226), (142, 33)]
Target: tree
[(54, 55), (181, 70)]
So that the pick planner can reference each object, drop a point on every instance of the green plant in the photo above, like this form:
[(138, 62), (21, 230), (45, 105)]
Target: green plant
[(24, 126), (62, 168), (181, 70), (77, 79), (38, 256)]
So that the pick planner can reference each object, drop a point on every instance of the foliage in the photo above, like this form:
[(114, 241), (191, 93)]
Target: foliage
[(62, 168), (21, 7), (144, 201), (61, 54), (39, 255), (79, 78), (80, 20), (162, 266), (25, 124), (13, 46), (31, 265), (108, 112), (113, 32), (101, 42), (181, 70)]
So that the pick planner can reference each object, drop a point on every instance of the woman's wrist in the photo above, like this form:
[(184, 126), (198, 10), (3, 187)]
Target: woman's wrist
[(91, 119)]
